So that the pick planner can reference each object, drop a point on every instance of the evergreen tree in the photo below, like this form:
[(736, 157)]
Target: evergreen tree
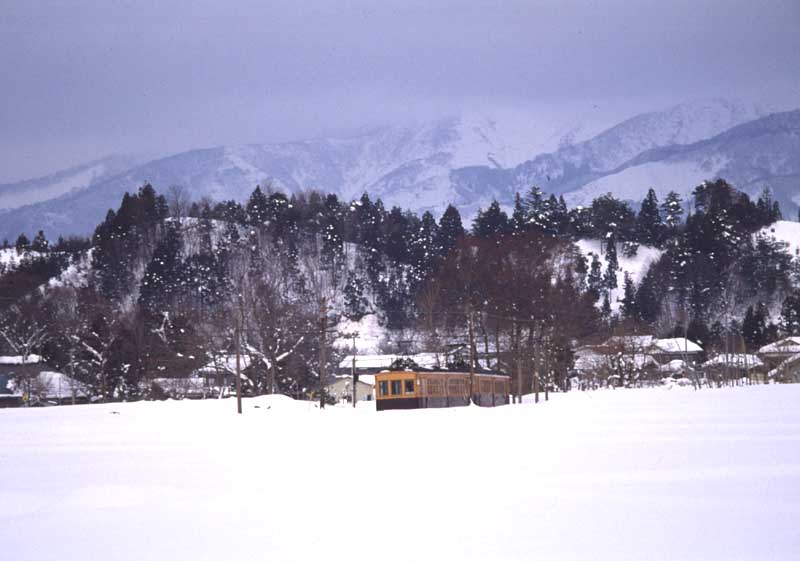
[(396, 234), (790, 314), (648, 297), (649, 225), (754, 327), (536, 211), (559, 216), (257, 207), (423, 251), (610, 277), (768, 209), (629, 310), (595, 279), (355, 303), (162, 278), (22, 244), (40, 243), (491, 223), (612, 217), (605, 310), (672, 211), (450, 230), (518, 217), (580, 222)]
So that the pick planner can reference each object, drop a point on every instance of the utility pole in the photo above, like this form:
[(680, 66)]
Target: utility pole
[(471, 357), (354, 334), (239, 322), (323, 310)]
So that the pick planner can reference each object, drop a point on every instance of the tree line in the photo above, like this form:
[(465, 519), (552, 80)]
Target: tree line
[(166, 285)]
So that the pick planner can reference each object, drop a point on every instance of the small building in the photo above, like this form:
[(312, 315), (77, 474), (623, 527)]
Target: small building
[(787, 371), (666, 350), (676, 369), (732, 366), (21, 368), (777, 352), (341, 388), (31, 382)]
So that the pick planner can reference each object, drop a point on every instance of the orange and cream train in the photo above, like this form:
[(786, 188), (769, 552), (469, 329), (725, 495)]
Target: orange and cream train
[(420, 389)]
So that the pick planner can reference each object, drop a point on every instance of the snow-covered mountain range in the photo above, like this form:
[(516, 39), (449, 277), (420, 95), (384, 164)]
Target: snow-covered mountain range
[(466, 161)]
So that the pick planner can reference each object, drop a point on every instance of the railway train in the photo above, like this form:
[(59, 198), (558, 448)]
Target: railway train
[(420, 388)]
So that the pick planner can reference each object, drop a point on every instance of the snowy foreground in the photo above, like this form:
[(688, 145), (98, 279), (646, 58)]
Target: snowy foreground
[(627, 474)]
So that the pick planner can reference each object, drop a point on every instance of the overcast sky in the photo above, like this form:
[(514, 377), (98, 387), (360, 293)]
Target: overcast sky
[(81, 80)]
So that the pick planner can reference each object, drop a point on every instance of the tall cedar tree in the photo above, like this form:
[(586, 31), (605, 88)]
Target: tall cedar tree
[(649, 225)]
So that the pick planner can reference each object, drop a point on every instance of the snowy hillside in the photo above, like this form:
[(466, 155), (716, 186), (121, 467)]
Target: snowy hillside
[(71, 180), (635, 266), (749, 156), (621, 475), (788, 232), (466, 161)]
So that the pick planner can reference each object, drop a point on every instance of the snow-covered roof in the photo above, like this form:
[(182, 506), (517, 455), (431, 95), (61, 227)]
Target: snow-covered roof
[(365, 378), (593, 361), (783, 366), (54, 385), (677, 345), (32, 359), (673, 367), (227, 363), (787, 345), (738, 360), (589, 361), (631, 341)]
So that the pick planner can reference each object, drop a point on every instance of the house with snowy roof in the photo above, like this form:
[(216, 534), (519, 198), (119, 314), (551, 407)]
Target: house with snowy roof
[(730, 366), (779, 351), (787, 371), (665, 351), (341, 388), (30, 379)]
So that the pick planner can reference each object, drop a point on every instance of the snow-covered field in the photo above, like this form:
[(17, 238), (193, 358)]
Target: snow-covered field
[(627, 474)]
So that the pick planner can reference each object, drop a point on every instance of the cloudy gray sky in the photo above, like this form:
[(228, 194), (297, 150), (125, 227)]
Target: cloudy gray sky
[(82, 79)]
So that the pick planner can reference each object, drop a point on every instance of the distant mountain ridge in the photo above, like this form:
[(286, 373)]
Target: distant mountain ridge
[(467, 162)]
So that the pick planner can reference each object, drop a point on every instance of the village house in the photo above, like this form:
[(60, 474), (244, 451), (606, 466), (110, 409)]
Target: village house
[(30, 380), (341, 388), (665, 351), (777, 352), (732, 366), (787, 371)]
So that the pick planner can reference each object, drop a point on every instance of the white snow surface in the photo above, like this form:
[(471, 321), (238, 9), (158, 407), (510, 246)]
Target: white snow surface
[(786, 345), (19, 359), (636, 266), (785, 231), (667, 473), (677, 345)]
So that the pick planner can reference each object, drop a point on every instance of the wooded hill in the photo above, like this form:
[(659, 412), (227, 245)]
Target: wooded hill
[(165, 284)]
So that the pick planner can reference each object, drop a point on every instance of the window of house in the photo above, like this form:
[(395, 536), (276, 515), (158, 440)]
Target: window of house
[(397, 387), (384, 388), (410, 386)]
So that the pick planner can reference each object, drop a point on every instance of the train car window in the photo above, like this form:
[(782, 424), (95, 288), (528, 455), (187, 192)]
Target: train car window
[(397, 387), (409, 386), (384, 387)]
